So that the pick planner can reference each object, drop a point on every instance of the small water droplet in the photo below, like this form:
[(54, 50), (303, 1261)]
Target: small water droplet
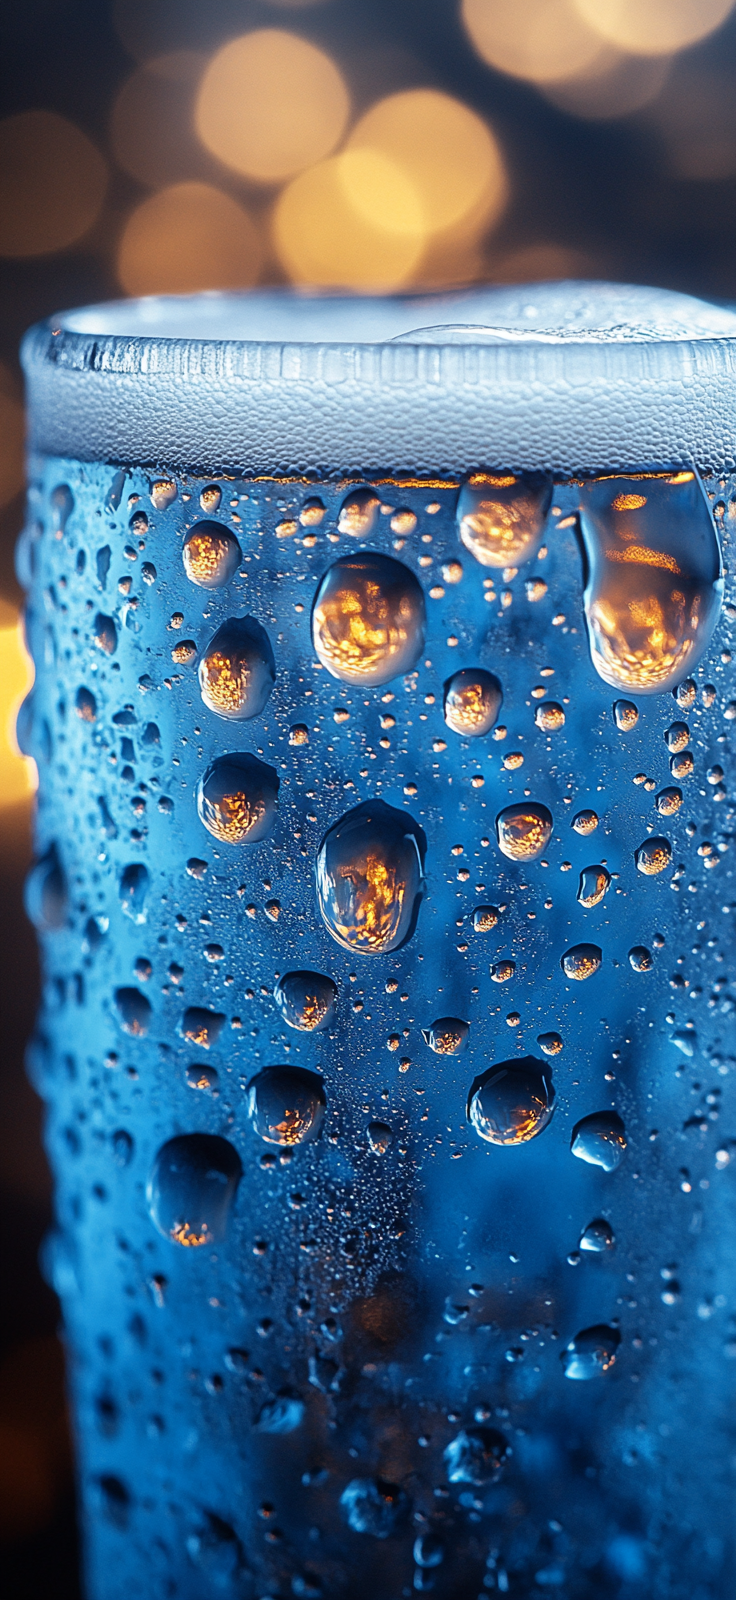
[(512, 1102), (653, 856), (591, 1353), (581, 961), (681, 766), (306, 1000), (211, 555), (485, 918), (428, 1551), (45, 894), (61, 501), (641, 958), (501, 518), (202, 1077), (163, 493), (312, 512), (585, 822), (371, 1505), (237, 670), (286, 1105), (105, 634), (549, 1043), (211, 497), (134, 886), (502, 971), (134, 1011), (85, 705), (368, 619), (685, 694), (281, 1415), (215, 1549), (625, 715), (523, 830), (594, 883), (380, 1136), (654, 588), (298, 733), (476, 1455), (472, 701), (358, 513), (403, 522), (549, 716), (597, 1237), (191, 1188), (370, 878), (677, 737), (599, 1139), (236, 798), (446, 1036), (668, 801)]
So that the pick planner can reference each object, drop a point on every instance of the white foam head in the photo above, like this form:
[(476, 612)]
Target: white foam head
[(567, 377)]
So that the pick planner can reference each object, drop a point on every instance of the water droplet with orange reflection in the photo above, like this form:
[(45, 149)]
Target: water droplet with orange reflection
[(306, 1000), (191, 1187), (286, 1105), (368, 619), (369, 878), (236, 798), (501, 518), (513, 1102), (237, 671), (653, 856), (523, 830), (654, 585), (473, 699), (211, 555)]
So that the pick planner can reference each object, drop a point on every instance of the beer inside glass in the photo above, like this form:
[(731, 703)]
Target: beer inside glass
[(384, 885)]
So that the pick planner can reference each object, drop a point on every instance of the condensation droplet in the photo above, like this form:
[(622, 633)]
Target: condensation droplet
[(581, 961), (202, 1077), (452, 571), (61, 501), (428, 1550), (512, 1102), (403, 522), (358, 513), (380, 1136), (591, 1353), (45, 893), (85, 705), (237, 671), (476, 1455), (681, 766), (281, 1415), (105, 634), (202, 1027), (236, 798), (599, 1139), (163, 493), (472, 701), (653, 856), (501, 518), (134, 1012), (550, 1043), (306, 1000), (286, 1105), (549, 716), (625, 715), (191, 1188), (485, 918), (370, 878), (371, 1505), (523, 830), (211, 555), (668, 801), (640, 958), (594, 883), (502, 971), (134, 885), (312, 512), (677, 737), (211, 497), (446, 1036), (685, 694), (298, 733), (597, 1237), (368, 619), (654, 585), (585, 822)]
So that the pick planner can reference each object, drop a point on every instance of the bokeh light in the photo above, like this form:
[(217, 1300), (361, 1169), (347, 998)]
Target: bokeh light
[(326, 227), (12, 430), (448, 154), (17, 772), (542, 40), (52, 183), (271, 104), (653, 27), (615, 85), (189, 236), (151, 125)]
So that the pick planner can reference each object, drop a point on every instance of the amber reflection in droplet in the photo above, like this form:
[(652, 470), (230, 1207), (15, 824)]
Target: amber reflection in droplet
[(513, 1102), (654, 585), (236, 798), (523, 830), (211, 555), (368, 619), (191, 1188), (237, 671), (286, 1105), (306, 1000), (653, 856), (473, 699), (369, 878), (501, 518)]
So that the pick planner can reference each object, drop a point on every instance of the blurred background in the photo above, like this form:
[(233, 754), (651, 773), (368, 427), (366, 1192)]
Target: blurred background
[(150, 145)]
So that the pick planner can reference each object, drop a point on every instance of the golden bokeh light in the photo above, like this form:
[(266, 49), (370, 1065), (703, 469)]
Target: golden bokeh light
[(615, 85), (17, 772), (324, 228), (12, 431), (543, 40), (270, 104), (52, 183), (449, 155), (187, 237), (151, 130), (653, 27)]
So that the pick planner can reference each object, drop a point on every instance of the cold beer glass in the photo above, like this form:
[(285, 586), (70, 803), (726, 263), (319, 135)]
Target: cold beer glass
[(384, 885)]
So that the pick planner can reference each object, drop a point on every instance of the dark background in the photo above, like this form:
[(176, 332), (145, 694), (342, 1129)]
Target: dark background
[(646, 196)]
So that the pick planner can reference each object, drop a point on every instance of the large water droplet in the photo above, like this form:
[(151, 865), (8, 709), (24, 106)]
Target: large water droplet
[(597, 1237), (45, 894), (594, 882), (211, 555), (371, 1505), (653, 856), (599, 1139), (286, 1105), (473, 699), (446, 1036), (134, 885), (358, 513), (513, 1102), (306, 1000), (591, 1353), (523, 830), (476, 1455), (581, 961), (501, 518), (368, 619), (134, 1011), (369, 878), (236, 798), (237, 671), (654, 585), (191, 1188)]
